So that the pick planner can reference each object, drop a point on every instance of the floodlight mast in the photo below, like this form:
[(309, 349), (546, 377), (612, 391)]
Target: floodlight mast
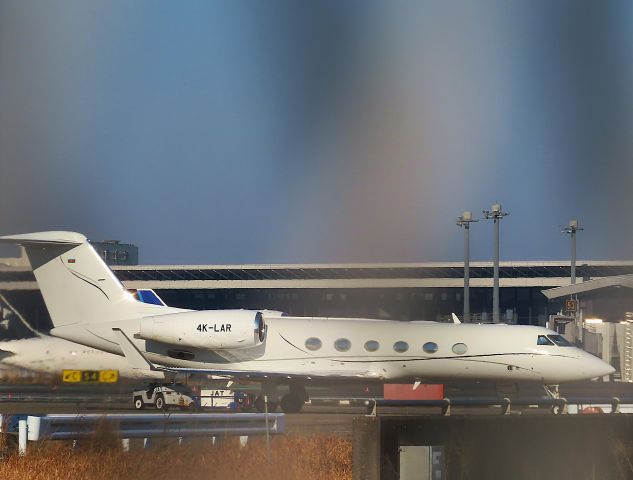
[(495, 214), (571, 230), (464, 221)]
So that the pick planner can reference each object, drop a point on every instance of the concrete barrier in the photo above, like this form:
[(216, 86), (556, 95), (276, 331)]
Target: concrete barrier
[(518, 447)]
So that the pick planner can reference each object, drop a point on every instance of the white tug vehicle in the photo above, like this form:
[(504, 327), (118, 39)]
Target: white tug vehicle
[(163, 397)]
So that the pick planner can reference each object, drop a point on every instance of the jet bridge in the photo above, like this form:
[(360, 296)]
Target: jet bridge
[(604, 323)]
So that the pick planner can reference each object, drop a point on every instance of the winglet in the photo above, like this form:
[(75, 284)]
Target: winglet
[(455, 318), (133, 354)]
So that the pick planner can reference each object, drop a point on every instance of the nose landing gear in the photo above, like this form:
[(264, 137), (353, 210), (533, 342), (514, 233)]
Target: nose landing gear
[(552, 392)]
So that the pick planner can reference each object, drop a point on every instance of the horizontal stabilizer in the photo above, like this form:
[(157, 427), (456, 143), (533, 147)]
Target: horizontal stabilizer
[(56, 238)]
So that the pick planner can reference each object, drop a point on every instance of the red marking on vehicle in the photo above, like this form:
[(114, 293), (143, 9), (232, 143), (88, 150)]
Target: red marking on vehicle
[(71, 260)]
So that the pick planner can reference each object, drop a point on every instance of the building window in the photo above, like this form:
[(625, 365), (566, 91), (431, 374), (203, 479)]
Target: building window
[(460, 348), (401, 346), (342, 344), (372, 345), (313, 343), (430, 347)]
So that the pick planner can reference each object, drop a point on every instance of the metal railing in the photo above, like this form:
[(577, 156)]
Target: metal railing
[(559, 405), (132, 425)]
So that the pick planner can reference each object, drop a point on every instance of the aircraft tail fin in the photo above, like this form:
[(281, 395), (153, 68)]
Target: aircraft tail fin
[(77, 285)]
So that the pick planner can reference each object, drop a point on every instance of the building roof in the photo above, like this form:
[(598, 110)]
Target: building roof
[(588, 286), (386, 275)]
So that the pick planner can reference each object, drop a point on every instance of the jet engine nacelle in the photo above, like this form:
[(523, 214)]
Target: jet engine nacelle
[(210, 330)]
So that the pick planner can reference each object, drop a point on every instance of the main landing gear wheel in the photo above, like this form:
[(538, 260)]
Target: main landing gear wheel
[(261, 407), (138, 403), (159, 403), (291, 403)]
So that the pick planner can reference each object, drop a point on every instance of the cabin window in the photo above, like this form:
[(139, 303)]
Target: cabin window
[(401, 346), (342, 344), (559, 340), (313, 343), (430, 347), (460, 348), (372, 345), (543, 340)]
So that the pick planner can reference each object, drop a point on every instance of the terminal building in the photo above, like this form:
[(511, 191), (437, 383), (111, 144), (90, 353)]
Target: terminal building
[(402, 291), (114, 252)]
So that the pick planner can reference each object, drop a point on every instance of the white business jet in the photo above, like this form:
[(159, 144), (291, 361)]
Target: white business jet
[(52, 355), (88, 305)]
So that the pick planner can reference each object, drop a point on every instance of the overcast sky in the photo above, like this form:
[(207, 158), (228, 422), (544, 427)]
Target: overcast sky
[(284, 131)]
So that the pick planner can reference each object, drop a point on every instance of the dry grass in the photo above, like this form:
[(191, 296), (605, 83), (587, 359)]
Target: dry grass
[(292, 457)]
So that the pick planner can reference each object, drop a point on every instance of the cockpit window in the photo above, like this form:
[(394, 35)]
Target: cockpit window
[(559, 340), (543, 340)]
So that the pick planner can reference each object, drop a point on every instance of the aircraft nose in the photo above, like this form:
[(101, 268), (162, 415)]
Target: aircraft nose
[(596, 367)]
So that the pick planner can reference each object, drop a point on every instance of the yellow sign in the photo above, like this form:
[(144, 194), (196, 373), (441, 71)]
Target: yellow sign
[(90, 376), (71, 376), (108, 376), (571, 305)]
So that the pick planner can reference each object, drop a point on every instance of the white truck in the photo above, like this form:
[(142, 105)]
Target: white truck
[(164, 396)]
